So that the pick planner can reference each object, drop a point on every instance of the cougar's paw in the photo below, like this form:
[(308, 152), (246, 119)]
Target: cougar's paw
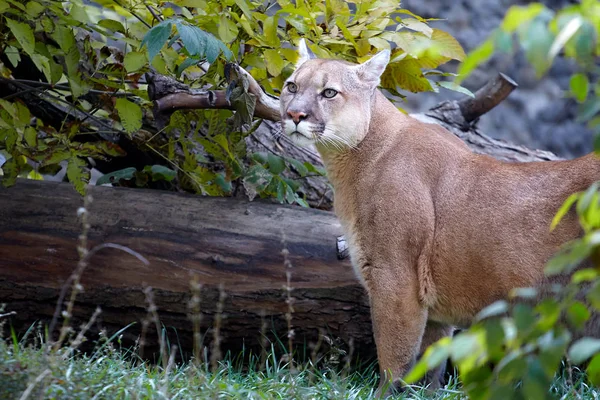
[(387, 389)]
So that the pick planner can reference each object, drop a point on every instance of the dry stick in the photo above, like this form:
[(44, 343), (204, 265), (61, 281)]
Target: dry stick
[(81, 335), (181, 97), (164, 390), (264, 341), (8, 314), (288, 315), (196, 317), (487, 97), (315, 352), (75, 279), (215, 351), (289, 299), (37, 380), (153, 312), (143, 333)]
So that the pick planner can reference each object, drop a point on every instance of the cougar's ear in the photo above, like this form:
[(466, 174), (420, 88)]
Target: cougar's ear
[(304, 52), (370, 71)]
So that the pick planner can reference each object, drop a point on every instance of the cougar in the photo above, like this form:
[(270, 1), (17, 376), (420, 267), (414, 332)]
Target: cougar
[(435, 231)]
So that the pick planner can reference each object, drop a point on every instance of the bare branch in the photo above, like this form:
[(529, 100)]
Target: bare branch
[(486, 98)]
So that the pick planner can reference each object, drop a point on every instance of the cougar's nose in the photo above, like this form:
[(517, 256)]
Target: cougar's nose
[(297, 116)]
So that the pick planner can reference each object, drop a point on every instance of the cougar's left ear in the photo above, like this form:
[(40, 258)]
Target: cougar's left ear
[(304, 52), (372, 70)]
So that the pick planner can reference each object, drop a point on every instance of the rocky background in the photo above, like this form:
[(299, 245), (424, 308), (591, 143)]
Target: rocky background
[(536, 114)]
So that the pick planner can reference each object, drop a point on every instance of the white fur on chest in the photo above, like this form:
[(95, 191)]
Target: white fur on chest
[(354, 248)]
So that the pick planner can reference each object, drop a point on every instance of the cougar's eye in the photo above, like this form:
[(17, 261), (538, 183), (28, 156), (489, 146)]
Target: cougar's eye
[(291, 86), (329, 93)]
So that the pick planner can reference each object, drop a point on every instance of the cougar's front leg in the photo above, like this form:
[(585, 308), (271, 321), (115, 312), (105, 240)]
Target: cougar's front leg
[(398, 321)]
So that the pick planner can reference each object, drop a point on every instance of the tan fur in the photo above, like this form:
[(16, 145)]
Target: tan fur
[(436, 232)]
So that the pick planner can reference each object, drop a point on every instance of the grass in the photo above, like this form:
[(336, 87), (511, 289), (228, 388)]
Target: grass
[(115, 373)]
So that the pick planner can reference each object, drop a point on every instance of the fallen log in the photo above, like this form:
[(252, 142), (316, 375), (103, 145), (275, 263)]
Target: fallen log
[(243, 246)]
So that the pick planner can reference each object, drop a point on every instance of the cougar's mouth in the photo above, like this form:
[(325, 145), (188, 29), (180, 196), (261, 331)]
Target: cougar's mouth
[(297, 132)]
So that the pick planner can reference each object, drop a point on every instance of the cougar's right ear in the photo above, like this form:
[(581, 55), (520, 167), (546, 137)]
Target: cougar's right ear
[(304, 52), (371, 70)]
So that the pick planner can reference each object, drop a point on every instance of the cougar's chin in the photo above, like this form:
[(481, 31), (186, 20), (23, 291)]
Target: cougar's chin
[(300, 134)]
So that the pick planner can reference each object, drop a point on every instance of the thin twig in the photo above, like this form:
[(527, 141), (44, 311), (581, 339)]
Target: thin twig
[(8, 314), (36, 84), (154, 14), (133, 13), (37, 380)]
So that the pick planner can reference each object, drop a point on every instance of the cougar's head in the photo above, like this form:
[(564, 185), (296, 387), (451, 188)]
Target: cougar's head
[(328, 102)]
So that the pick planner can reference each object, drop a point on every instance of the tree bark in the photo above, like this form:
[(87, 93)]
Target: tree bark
[(241, 245)]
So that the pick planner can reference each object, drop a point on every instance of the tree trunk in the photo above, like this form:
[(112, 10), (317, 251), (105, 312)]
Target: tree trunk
[(245, 246)]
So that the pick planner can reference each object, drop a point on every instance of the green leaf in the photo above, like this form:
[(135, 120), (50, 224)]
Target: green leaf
[(563, 210), (115, 176), (243, 5), (274, 61), (260, 156), (583, 349), (221, 139), (407, 75), (79, 14), (579, 87), (535, 383), (417, 372), (446, 45), (34, 8), (281, 187), (584, 275), (536, 41), (298, 166), (130, 114), (188, 62), (10, 171), (194, 39), (567, 258), (160, 172), (302, 202), (156, 38), (495, 309), (270, 31), (112, 25), (24, 35), (276, 164), (478, 56), (107, 148), (78, 174), (57, 156), (212, 48), (13, 55), (134, 61), (524, 317), (3, 6), (30, 136), (578, 314), (593, 370), (228, 30), (520, 15), (455, 87), (223, 183), (418, 26)]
